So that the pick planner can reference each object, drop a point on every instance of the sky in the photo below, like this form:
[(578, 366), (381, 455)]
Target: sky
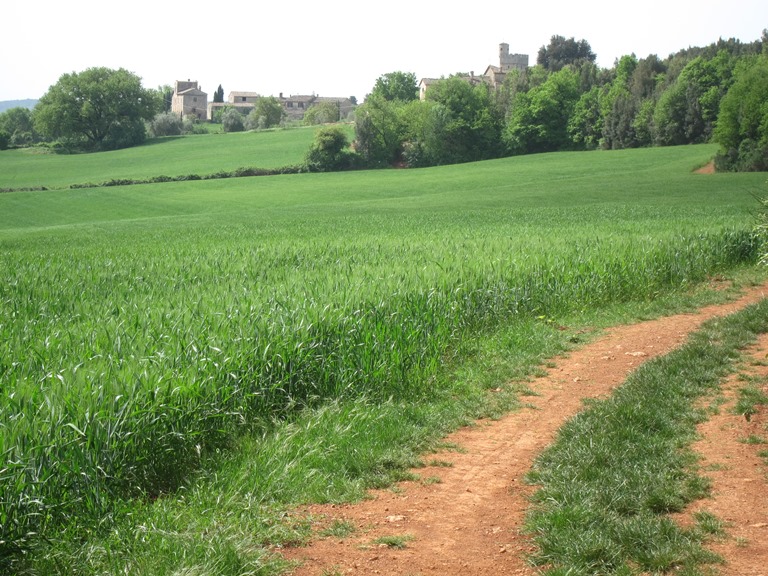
[(337, 48)]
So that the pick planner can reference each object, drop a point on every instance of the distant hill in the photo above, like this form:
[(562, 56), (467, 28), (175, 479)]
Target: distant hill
[(28, 103)]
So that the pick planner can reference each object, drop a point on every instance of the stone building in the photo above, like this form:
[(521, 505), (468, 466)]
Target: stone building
[(295, 106), (493, 76), (189, 100), (507, 62)]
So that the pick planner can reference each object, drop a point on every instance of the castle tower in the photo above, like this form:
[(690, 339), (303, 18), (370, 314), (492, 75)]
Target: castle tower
[(509, 61)]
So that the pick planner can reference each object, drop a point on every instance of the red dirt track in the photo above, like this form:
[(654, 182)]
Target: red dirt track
[(469, 522)]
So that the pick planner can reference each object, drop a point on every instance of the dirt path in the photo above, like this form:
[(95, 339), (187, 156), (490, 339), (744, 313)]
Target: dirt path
[(468, 522)]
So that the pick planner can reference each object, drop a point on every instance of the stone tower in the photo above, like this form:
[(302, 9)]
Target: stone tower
[(509, 61)]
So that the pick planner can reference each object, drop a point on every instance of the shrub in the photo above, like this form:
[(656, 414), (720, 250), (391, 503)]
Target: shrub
[(323, 113), (330, 151), (191, 125), (267, 113), (166, 124), (232, 120)]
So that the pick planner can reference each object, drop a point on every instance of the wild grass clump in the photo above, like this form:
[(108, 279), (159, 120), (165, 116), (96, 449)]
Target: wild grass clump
[(620, 467)]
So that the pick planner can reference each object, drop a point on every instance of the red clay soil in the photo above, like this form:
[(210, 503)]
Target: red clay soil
[(708, 168), (464, 516), (737, 472)]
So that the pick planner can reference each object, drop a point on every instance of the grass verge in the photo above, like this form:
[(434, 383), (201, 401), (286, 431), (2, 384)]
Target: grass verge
[(618, 468), (234, 521)]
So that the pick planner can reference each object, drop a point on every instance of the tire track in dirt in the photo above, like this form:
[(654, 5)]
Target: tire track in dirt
[(469, 523)]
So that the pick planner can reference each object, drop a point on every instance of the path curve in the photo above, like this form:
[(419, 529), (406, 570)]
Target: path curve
[(469, 523)]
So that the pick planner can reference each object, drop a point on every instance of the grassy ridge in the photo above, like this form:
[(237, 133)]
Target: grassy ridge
[(172, 156), (143, 327)]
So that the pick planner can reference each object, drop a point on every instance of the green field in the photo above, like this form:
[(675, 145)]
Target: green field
[(144, 328), (171, 156)]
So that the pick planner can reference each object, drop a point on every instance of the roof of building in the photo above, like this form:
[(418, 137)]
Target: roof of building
[(192, 92), (301, 98)]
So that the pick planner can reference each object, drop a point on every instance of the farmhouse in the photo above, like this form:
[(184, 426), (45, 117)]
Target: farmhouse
[(493, 76), (189, 100), (294, 106)]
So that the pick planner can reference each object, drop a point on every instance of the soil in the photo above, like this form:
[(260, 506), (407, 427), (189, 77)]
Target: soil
[(708, 168), (464, 516)]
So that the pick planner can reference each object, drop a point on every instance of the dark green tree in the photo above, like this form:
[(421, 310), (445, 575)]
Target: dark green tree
[(742, 126), (379, 131), (330, 151), (396, 86), (646, 78), (617, 106), (561, 52), (218, 95), (98, 109), (17, 124), (467, 123), (164, 95), (585, 126), (687, 109), (539, 118)]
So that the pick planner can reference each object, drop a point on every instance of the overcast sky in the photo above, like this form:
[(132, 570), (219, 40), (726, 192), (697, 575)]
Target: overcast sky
[(338, 48)]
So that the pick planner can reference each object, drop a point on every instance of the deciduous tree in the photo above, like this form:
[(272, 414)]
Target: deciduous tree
[(267, 113), (379, 131), (17, 124), (539, 118), (322, 113), (401, 86), (97, 109), (469, 123), (330, 151), (742, 127), (561, 51)]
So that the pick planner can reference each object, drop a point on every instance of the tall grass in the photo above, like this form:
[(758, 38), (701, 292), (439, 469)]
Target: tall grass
[(134, 343)]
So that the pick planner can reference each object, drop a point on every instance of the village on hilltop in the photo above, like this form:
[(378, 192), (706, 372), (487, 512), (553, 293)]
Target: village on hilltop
[(189, 100)]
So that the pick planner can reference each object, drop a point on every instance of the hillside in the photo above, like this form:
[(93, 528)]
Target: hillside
[(7, 104)]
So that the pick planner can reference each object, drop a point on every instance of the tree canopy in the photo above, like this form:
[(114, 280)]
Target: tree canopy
[(322, 113), (97, 109), (566, 102), (17, 125), (561, 51), (742, 128), (400, 86), (267, 113)]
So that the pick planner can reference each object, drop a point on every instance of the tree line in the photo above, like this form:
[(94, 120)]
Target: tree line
[(717, 93), (566, 102)]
